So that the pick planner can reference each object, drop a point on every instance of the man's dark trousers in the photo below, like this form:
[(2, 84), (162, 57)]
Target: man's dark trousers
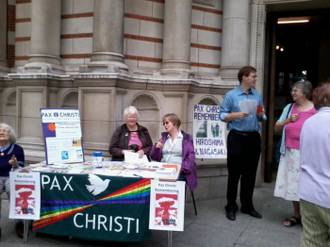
[(243, 157)]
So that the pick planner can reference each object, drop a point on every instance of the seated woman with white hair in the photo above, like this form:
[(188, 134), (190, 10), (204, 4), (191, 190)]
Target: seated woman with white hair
[(11, 158), (130, 137)]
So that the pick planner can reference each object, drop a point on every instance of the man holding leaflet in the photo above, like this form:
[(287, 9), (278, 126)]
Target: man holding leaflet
[(243, 143)]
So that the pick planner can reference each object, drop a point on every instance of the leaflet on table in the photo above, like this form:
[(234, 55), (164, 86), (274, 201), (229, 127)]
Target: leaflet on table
[(131, 158), (163, 171), (74, 171), (81, 166), (107, 172), (41, 169), (151, 166), (62, 135)]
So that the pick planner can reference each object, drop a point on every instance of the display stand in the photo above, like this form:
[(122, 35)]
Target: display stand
[(169, 239), (26, 230)]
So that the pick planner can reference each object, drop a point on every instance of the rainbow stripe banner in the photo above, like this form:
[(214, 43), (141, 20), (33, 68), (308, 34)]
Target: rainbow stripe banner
[(94, 207)]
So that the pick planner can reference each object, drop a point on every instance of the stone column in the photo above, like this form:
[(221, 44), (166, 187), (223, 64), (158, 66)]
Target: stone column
[(177, 32), (257, 48), (235, 38), (45, 37), (3, 38), (108, 37), (257, 40)]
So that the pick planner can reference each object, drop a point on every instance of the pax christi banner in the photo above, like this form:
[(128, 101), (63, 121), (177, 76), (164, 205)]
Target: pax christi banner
[(62, 135), (209, 132), (94, 207)]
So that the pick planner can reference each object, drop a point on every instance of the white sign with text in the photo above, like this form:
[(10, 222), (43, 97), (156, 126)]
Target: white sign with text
[(167, 201)]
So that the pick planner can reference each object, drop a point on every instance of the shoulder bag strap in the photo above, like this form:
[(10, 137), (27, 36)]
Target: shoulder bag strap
[(287, 115)]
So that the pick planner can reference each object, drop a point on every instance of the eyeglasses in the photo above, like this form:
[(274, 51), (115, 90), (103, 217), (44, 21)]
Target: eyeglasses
[(132, 118), (4, 131), (294, 91), (165, 123)]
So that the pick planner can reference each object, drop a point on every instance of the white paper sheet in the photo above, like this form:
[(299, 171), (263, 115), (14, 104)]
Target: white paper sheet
[(106, 172), (133, 158), (248, 106)]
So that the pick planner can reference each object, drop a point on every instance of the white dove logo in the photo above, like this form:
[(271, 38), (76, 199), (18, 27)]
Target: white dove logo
[(97, 184)]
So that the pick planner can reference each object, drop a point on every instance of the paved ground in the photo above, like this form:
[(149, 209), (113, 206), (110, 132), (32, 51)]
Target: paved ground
[(209, 228)]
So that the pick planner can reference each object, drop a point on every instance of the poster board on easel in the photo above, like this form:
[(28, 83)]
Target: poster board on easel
[(62, 135)]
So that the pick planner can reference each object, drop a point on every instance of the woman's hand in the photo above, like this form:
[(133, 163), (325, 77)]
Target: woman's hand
[(294, 117), (141, 153), (13, 161), (159, 144)]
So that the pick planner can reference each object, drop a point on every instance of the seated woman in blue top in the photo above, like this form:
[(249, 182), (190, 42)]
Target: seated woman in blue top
[(11, 158)]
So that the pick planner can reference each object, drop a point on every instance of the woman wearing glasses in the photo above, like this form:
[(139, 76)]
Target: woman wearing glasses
[(176, 147), (11, 158), (289, 167), (130, 137)]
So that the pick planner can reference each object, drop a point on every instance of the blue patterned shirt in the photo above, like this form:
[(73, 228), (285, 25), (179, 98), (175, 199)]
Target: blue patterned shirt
[(230, 104)]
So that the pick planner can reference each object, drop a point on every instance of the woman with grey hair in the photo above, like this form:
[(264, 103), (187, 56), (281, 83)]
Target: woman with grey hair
[(130, 137), (11, 158), (291, 121)]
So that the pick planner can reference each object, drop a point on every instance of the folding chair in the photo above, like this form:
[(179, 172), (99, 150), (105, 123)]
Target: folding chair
[(193, 198)]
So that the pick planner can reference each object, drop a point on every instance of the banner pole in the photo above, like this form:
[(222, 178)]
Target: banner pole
[(169, 239), (26, 230)]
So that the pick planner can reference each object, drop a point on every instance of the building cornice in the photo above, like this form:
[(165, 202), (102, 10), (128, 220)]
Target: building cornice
[(120, 81)]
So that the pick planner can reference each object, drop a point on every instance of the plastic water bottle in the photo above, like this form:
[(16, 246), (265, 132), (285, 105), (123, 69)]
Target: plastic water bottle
[(97, 159)]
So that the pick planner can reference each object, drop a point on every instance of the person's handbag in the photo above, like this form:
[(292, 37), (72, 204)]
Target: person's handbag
[(278, 148)]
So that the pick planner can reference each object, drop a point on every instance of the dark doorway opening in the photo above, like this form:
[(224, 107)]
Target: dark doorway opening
[(294, 51)]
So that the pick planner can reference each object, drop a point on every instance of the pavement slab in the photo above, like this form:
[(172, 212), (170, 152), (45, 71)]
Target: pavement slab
[(209, 228)]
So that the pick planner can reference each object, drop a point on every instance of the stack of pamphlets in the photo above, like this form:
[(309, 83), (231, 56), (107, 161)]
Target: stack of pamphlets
[(167, 170)]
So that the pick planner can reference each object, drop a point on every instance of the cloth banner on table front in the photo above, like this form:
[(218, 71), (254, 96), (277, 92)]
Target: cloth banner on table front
[(94, 207)]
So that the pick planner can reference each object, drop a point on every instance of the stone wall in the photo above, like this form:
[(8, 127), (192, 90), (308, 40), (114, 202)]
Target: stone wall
[(143, 35), (101, 56)]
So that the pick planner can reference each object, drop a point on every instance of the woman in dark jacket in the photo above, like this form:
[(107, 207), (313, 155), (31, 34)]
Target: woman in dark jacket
[(130, 137)]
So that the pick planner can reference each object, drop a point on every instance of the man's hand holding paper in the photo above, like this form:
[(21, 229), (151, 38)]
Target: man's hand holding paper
[(248, 106)]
